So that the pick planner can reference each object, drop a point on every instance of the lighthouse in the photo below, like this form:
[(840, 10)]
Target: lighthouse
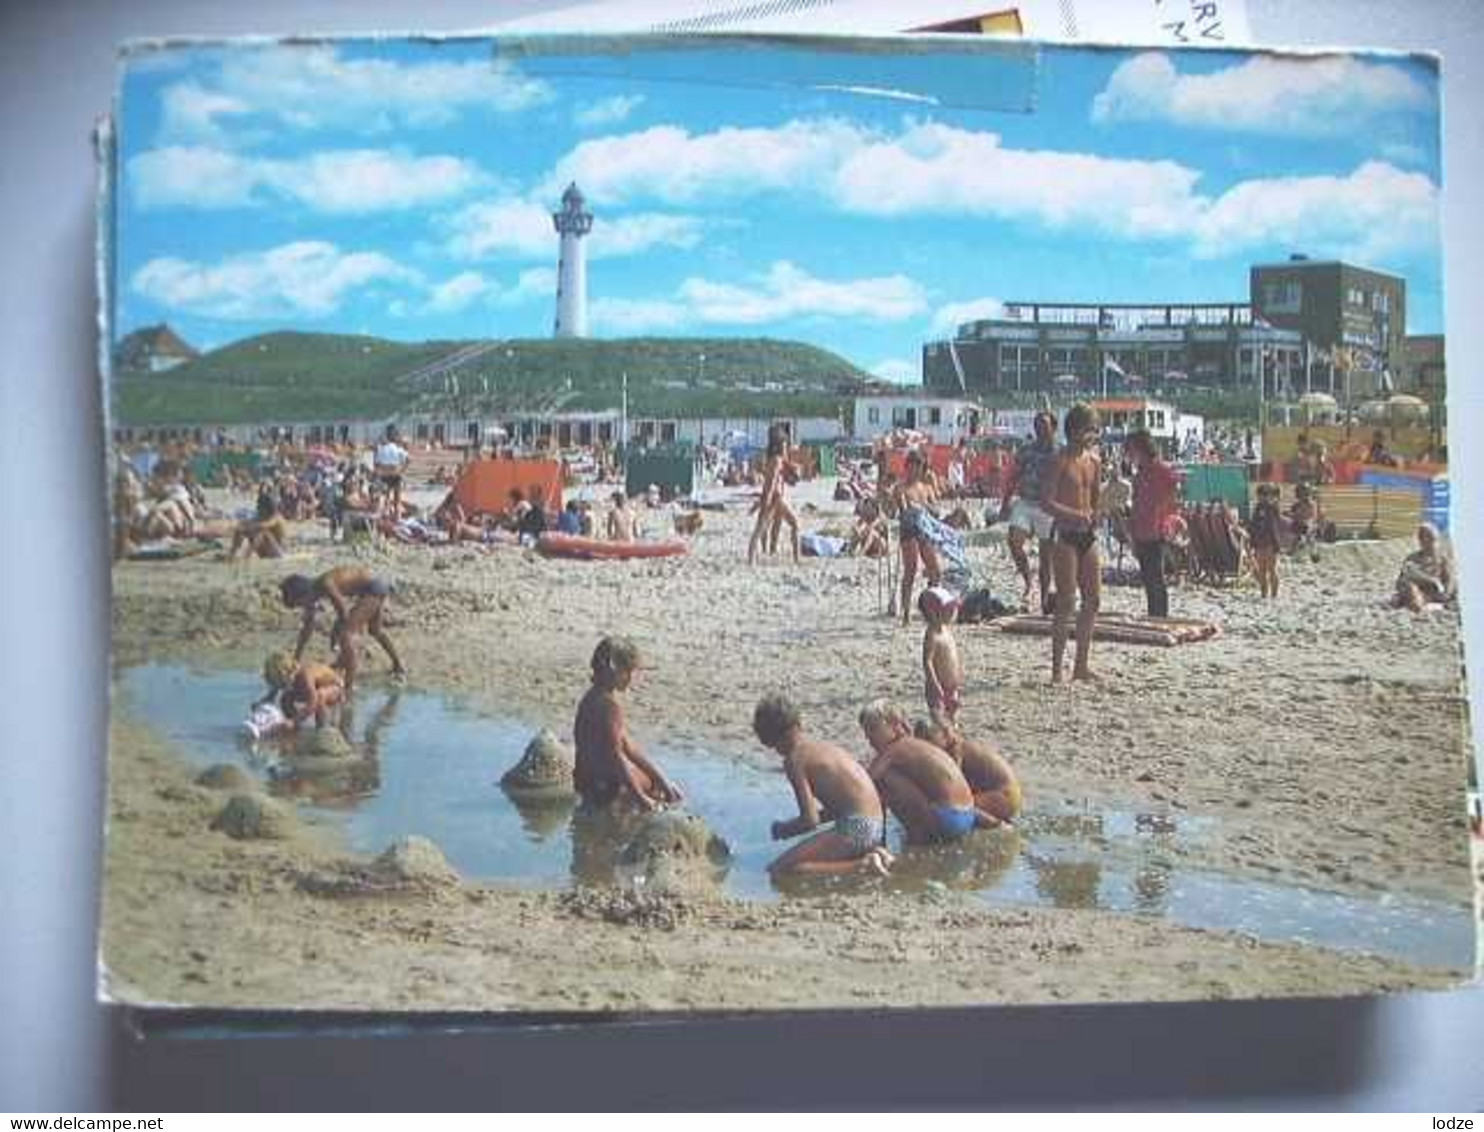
[(573, 222)]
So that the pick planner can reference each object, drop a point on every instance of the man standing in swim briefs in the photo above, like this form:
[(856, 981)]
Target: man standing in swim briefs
[(1070, 496), (359, 599), (609, 764), (1032, 466)]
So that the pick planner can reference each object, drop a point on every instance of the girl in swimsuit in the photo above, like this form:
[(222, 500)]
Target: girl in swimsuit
[(774, 506), (914, 499)]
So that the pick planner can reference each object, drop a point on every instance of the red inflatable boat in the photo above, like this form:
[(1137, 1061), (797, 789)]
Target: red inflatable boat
[(574, 546)]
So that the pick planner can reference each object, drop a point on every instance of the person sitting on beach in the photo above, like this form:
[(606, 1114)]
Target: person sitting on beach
[(869, 536), (569, 522), (587, 521), (921, 784), (532, 524), (1378, 453), (359, 600), (609, 764), (267, 536), (303, 690), (989, 774), (828, 784), (623, 524), (1070, 496), (1427, 574), (942, 667)]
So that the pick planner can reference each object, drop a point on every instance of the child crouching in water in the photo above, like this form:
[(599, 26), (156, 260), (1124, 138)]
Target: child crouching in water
[(828, 784), (942, 668), (989, 774), (302, 690)]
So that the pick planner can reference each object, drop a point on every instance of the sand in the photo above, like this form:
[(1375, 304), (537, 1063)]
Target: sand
[(1321, 734)]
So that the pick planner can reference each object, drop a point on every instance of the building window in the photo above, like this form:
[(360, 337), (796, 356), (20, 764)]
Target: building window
[(935, 416), (873, 415)]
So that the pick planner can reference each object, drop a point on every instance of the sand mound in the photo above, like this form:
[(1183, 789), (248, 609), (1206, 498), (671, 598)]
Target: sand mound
[(545, 766), (681, 836), (248, 817), (415, 860), (631, 907), (225, 776), (411, 866), (675, 853), (322, 743)]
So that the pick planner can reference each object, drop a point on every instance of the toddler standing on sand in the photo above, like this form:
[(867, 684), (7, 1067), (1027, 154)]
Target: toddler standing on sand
[(942, 667)]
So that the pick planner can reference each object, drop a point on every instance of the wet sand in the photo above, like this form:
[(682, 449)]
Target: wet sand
[(1321, 733)]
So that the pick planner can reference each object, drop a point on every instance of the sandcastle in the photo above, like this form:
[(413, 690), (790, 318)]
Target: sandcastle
[(544, 769)]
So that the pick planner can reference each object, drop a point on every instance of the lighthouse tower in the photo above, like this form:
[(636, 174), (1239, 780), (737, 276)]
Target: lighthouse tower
[(573, 222)]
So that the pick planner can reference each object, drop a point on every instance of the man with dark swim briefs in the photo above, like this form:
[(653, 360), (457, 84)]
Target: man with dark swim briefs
[(1070, 496), (609, 765), (359, 600)]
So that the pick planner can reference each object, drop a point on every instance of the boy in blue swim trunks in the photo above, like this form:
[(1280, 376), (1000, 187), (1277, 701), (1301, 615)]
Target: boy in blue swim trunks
[(828, 784), (921, 783)]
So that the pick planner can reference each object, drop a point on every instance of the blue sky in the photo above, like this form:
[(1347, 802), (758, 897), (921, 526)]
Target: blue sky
[(402, 188)]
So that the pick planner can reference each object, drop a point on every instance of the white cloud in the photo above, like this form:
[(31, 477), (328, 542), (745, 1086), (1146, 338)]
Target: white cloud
[(899, 371), (1376, 212), (345, 181), (608, 111), (787, 291), (670, 164), (949, 317), (532, 283), (926, 169), (622, 317), (309, 87), (522, 229), (1324, 96), (459, 292), (309, 278)]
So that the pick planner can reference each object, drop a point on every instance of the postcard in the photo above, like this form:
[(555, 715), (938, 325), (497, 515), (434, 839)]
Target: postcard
[(650, 524)]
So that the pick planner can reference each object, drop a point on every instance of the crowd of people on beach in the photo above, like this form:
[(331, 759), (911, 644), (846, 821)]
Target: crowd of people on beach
[(1063, 499)]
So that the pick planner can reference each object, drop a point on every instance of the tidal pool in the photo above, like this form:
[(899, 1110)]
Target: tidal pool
[(430, 766)]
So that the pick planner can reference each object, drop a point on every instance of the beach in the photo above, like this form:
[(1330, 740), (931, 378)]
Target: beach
[(1317, 743)]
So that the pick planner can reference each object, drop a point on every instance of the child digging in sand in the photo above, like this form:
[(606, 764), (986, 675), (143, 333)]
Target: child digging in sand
[(827, 783), (921, 784), (609, 764), (942, 668), (359, 600), (988, 773), (303, 690)]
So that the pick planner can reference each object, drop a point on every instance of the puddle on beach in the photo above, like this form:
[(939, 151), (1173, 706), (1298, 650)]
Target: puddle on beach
[(431, 767)]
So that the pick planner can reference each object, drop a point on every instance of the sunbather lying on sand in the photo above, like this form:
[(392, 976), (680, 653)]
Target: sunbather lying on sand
[(828, 784), (609, 764)]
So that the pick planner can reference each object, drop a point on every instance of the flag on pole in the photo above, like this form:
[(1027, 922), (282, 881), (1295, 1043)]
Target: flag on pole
[(1111, 363)]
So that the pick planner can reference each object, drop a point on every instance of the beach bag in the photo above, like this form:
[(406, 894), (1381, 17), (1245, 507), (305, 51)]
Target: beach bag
[(981, 605)]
